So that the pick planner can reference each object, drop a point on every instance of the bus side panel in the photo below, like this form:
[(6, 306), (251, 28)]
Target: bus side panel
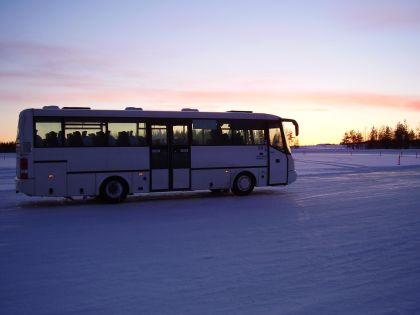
[(223, 178), (228, 156), (81, 184), (215, 167), (210, 179), (99, 159), (140, 182), (262, 177)]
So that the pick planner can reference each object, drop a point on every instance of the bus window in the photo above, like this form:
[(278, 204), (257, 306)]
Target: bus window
[(204, 132), (276, 139), (48, 134), (257, 136), (211, 132), (238, 137), (122, 134), (224, 136), (84, 134), (202, 136)]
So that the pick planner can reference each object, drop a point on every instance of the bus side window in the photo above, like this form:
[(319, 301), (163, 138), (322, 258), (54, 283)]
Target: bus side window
[(204, 132), (123, 134), (48, 134), (203, 136), (238, 137), (257, 136), (228, 132), (84, 134), (225, 134)]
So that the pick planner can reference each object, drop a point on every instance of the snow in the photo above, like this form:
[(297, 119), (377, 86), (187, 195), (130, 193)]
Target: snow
[(343, 239)]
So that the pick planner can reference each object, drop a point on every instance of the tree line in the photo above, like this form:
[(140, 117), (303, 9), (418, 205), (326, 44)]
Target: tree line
[(6, 147), (385, 137)]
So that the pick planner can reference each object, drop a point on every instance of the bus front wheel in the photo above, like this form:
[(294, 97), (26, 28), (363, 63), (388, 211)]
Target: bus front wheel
[(243, 184), (113, 190)]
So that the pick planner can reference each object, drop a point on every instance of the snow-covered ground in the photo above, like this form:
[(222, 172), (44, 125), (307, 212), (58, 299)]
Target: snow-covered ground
[(343, 239)]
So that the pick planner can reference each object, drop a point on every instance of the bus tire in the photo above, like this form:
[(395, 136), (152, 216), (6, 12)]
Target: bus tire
[(114, 189), (243, 184)]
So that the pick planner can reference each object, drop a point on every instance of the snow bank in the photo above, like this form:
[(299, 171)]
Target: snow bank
[(343, 239)]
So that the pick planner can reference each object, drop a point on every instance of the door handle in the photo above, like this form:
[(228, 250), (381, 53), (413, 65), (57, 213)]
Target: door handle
[(277, 160)]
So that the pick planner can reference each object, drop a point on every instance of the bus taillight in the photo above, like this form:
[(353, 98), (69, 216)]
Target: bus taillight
[(23, 169)]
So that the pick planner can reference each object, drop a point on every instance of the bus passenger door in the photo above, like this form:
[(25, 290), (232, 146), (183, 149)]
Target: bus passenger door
[(180, 156), (159, 157), (170, 158), (278, 158)]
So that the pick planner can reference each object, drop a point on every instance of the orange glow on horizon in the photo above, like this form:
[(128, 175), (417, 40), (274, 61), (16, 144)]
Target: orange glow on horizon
[(323, 116)]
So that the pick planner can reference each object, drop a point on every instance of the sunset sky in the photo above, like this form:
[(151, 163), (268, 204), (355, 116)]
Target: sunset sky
[(332, 65)]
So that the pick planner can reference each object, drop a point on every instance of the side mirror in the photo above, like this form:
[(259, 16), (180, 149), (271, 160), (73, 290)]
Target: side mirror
[(294, 122)]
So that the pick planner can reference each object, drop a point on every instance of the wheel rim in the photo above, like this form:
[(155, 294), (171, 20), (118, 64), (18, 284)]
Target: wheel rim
[(244, 183), (114, 189)]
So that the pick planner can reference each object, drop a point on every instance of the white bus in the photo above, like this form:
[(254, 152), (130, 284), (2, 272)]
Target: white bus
[(112, 153)]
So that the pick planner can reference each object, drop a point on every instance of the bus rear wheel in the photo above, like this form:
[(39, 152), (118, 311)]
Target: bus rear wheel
[(243, 184), (113, 190)]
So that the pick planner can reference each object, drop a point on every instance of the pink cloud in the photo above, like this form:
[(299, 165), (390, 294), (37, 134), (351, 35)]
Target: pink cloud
[(381, 17), (13, 48), (51, 79), (56, 67), (46, 57)]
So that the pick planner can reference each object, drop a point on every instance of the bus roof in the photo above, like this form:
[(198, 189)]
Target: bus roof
[(138, 113)]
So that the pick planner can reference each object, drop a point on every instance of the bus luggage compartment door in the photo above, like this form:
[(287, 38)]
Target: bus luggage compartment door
[(50, 178)]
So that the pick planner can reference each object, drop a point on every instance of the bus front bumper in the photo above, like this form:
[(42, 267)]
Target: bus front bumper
[(25, 186), (291, 177)]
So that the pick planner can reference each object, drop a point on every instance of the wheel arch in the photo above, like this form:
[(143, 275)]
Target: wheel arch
[(241, 172), (236, 186), (102, 178)]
